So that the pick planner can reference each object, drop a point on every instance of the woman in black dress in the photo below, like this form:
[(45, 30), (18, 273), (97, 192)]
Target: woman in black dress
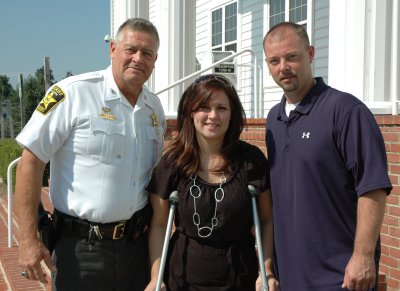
[(213, 246)]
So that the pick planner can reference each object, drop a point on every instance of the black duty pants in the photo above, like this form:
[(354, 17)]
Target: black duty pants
[(106, 265)]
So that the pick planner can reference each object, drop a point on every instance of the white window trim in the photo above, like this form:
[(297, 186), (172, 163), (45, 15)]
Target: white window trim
[(224, 44)]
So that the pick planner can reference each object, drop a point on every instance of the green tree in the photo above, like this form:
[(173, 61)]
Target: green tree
[(7, 92), (33, 94), (5, 87), (34, 91), (15, 110)]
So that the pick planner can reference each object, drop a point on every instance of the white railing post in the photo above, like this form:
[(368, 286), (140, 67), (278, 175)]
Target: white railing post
[(10, 199)]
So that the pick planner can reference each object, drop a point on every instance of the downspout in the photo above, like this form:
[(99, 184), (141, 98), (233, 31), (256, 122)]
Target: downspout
[(394, 89)]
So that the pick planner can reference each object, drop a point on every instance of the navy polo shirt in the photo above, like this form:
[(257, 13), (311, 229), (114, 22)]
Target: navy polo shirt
[(327, 153)]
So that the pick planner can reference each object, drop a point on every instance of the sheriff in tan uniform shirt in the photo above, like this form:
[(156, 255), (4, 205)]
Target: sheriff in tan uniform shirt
[(102, 150)]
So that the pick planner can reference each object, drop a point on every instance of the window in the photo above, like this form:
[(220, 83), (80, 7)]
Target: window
[(224, 28), (288, 10)]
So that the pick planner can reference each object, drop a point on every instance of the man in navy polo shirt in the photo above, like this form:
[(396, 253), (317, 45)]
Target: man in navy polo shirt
[(329, 176)]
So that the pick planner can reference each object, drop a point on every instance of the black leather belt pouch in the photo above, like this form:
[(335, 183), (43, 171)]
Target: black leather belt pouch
[(138, 222), (47, 228)]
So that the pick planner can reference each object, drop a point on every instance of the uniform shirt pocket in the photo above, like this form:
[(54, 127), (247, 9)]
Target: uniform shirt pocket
[(106, 142), (153, 146), (154, 134)]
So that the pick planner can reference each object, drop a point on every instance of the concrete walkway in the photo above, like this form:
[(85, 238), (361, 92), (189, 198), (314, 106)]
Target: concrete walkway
[(10, 277)]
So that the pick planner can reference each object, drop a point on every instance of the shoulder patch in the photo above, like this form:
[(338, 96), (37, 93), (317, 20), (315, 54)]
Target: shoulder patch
[(55, 96)]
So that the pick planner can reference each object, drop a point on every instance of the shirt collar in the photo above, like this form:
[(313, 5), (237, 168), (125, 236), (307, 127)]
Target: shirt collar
[(307, 103), (112, 92)]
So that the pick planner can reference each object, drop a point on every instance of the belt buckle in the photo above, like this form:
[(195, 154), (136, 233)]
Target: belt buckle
[(119, 231)]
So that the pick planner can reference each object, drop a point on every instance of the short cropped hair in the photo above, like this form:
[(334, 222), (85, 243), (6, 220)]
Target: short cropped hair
[(278, 32), (138, 24)]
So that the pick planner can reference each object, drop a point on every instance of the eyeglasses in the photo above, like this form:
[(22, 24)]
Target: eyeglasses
[(213, 77)]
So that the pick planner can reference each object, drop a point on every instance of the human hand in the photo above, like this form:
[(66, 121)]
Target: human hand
[(31, 253), (153, 285), (359, 273), (273, 283)]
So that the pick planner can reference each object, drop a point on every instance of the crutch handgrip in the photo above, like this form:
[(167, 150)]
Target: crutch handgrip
[(253, 193), (173, 198), (173, 201)]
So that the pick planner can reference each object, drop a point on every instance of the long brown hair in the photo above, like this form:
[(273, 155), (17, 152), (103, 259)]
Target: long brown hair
[(183, 152)]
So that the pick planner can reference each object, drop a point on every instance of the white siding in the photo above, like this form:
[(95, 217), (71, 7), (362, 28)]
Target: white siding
[(320, 39), (203, 27), (249, 36), (152, 10), (356, 46)]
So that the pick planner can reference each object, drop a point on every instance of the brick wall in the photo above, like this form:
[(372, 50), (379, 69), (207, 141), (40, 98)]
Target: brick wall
[(390, 232), (254, 133)]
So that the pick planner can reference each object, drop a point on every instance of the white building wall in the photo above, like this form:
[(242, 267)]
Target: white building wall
[(174, 20), (203, 27), (159, 15), (320, 38), (346, 50), (249, 36), (361, 58), (121, 10), (356, 42)]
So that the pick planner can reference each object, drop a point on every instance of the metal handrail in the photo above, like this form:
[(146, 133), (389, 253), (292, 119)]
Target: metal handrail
[(256, 104), (10, 200)]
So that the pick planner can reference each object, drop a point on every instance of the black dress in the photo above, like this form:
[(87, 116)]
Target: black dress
[(226, 259)]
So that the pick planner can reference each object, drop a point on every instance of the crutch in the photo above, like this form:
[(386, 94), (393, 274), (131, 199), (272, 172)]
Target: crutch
[(253, 193), (173, 202)]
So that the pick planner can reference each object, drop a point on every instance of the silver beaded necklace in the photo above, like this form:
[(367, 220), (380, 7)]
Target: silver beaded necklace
[(219, 194)]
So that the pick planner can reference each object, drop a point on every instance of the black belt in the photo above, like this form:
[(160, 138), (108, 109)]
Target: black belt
[(135, 226)]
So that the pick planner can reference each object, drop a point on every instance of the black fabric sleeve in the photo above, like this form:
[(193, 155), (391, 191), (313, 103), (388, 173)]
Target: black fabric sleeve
[(163, 180), (257, 168)]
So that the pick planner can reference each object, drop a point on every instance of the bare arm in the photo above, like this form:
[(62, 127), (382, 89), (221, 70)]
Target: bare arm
[(265, 214), (156, 236), (360, 271), (27, 196)]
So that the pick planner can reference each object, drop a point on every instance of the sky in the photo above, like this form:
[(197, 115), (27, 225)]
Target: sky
[(69, 32)]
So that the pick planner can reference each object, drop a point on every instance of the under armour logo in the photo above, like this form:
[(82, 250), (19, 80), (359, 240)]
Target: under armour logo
[(306, 135)]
